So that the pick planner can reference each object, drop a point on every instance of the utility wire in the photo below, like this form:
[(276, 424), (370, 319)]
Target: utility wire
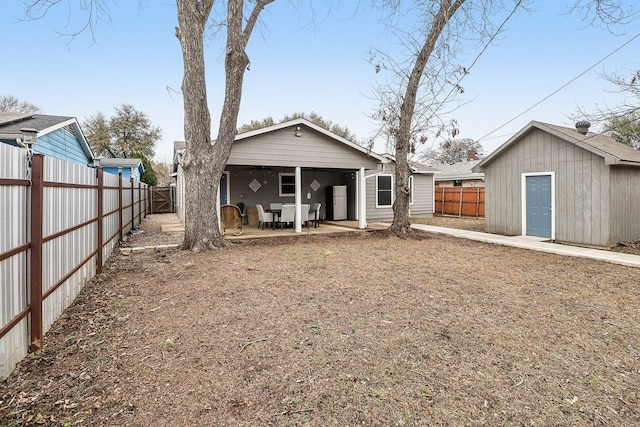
[(562, 87)]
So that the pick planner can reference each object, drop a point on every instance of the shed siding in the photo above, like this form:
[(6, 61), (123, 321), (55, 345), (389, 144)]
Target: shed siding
[(625, 204), (581, 203), (283, 148), (62, 145)]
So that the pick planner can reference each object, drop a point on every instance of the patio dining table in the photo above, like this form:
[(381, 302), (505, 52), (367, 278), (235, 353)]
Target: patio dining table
[(276, 216)]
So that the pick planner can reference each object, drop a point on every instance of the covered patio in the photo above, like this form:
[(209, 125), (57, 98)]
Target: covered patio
[(172, 224)]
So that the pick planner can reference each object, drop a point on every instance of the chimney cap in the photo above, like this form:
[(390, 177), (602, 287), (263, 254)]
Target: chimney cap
[(583, 126)]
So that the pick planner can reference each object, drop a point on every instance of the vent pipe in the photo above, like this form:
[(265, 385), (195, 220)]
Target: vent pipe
[(583, 126)]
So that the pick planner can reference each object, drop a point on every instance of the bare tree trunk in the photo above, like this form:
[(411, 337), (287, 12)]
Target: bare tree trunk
[(401, 224), (201, 179), (204, 162)]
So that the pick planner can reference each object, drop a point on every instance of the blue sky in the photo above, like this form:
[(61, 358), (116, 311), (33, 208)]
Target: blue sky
[(301, 67)]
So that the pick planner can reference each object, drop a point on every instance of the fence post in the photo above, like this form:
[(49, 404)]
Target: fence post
[(133, 201), (120, 202), (477, 202), (460, 204), (35, 270), (100, 240), (140, 210)]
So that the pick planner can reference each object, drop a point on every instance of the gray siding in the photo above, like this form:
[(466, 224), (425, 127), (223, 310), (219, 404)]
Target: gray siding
[(312, 149), (422, 196), (581, 188), (373, 213), (625, 204)]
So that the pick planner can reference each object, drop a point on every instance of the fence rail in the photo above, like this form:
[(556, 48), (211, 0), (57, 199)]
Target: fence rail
[(460, 201), (59, 222)]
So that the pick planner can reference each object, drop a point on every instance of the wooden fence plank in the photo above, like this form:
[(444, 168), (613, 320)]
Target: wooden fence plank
[(460, 201)]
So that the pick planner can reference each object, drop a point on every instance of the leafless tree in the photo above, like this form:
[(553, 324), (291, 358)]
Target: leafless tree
[(204, 160), (11, 104), (421, 85)]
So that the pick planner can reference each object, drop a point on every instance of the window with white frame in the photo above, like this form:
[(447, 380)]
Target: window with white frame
[(287, 184), (384, 191)]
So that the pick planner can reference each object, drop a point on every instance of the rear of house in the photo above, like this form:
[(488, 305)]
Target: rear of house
[(300, 162)]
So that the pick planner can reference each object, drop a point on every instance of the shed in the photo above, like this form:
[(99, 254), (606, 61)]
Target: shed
[(569, 185), (56, 136)]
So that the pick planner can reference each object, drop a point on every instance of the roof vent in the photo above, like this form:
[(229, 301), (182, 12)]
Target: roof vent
[(583, 126)]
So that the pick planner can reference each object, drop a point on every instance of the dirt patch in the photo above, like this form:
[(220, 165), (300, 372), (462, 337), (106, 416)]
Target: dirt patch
[(358, 329)]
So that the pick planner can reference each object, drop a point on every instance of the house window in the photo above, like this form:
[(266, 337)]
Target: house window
[(384, 191), (287, 184), (457, 183)]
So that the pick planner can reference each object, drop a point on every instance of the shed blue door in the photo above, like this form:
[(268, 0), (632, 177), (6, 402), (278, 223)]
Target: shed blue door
[(538, 205)]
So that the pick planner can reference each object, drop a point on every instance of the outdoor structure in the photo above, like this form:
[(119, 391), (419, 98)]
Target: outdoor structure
[(55, 136), (129, 167), (296, 161), (569, 185), (458, 174)]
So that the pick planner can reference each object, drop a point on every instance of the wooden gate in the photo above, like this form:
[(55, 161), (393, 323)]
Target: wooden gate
[(162, 200)]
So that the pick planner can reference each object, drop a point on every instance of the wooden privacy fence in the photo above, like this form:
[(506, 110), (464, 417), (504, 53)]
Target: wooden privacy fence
[(59, 222), (460, 201)]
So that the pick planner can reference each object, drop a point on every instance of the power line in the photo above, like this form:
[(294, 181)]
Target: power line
[(562, 87)]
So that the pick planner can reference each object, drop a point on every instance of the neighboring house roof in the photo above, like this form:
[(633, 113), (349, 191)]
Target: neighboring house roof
[(11, 125), (418, 168), (612, 151), (110, 162), (320, 129), (458, 171)]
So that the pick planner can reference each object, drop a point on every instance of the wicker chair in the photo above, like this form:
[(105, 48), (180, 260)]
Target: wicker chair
[(231, 218)]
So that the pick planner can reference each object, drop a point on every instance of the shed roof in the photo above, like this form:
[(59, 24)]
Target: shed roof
[(612, 151)]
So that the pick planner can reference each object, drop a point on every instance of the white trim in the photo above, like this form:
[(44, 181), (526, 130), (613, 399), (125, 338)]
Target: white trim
[(280, 193), (301, 121), (377, 204), (298, 187), (523, 189), (362, 200), (410, 190)]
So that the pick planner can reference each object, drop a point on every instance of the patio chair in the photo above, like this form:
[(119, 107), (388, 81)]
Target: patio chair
[(244, 213), (275, 205), (231, 218), (287, 214), (263, 217), (305, 215), (316, 217)]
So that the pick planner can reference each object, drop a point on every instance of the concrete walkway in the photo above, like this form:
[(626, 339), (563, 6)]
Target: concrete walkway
[(536, 244)]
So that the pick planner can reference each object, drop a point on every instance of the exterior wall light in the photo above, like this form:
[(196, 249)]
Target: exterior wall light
[(29, 137), (298, 131)]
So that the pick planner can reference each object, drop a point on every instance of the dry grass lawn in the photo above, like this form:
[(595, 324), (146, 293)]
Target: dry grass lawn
[(358, 329)]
